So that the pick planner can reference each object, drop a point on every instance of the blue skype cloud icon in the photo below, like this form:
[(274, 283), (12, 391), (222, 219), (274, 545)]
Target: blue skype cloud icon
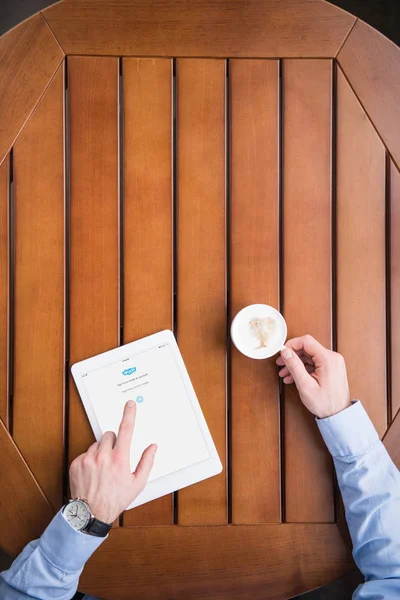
[(139, 399), (129, 371)]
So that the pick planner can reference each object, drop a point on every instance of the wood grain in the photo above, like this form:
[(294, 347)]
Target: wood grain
[(344, 528), (258, 28), (147, 147), (254, 278), (201, 265), (29, 57), (21, 499), (392, 439), (39, 353), (235, 562), (395, 286), (94, 318), (4, 280), (307, 272), (371, 62), (361, 297)]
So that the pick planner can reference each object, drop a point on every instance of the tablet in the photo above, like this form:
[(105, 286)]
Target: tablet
[(151, 372)]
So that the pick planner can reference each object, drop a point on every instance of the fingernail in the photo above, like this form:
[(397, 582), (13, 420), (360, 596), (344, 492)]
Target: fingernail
[(155, 448), (130, 403), (286, 355)]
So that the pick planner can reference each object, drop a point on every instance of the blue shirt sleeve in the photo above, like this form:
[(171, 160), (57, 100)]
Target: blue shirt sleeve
[(49, 568), (370, 486)]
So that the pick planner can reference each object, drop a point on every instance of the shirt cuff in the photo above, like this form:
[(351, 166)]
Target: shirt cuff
[(349, 432), (66, 548)]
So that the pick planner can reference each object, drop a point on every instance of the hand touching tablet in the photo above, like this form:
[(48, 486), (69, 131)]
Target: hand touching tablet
[(102, 475)]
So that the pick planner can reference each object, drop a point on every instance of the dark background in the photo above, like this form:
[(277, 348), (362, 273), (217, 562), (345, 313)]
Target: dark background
[(384, 15)]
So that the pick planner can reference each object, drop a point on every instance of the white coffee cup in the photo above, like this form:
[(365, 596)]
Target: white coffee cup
[(259, 331)]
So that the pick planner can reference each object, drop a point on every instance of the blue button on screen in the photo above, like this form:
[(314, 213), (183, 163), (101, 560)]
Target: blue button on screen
[(139, 399)]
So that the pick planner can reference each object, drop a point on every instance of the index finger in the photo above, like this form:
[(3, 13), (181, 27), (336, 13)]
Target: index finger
[(309, 345), (125, 431)]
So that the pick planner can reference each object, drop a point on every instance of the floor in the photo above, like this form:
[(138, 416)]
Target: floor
[(384, 15)]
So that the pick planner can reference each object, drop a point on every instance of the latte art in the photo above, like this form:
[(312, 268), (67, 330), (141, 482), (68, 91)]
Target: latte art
[(264, 330)]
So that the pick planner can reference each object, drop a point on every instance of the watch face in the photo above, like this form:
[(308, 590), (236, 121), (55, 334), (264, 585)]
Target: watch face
[(77, 514)]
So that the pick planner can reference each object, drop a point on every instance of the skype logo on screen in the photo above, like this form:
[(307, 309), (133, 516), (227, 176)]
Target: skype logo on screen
[(129, 371)]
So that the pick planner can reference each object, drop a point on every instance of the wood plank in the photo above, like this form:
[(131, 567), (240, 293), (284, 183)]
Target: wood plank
[(235, 562), (371, 62), (259, 28), (21, 499), (391, 441), (94, 266), (307, 272), (254, 278), (38, 399), (361, 294), (201, 265), (29, 57), (147, 146), (4, 280), (395, 286)]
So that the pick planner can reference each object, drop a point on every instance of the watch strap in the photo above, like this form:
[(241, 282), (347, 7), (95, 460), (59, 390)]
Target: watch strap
[(97, 528)]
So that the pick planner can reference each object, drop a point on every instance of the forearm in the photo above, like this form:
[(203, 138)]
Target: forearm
[(370, 486), (49, 568)]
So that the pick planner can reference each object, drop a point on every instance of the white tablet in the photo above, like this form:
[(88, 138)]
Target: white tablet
[(151, 372)]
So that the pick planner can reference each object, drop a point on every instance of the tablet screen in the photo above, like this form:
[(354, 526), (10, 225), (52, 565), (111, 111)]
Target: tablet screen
[(164, 413)]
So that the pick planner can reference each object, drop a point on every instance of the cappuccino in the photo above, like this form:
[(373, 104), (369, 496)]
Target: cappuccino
[(259, 331)]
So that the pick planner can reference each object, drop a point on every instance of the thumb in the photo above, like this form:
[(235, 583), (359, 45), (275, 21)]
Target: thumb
[(144, 467), (296, 368)]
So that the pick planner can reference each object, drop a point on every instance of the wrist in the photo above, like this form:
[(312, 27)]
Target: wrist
[(103, 513), (79, 515), (334, 410), (99, 509)]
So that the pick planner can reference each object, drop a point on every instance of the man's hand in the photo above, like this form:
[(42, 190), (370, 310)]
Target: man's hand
[(319, 374), (102, 475)]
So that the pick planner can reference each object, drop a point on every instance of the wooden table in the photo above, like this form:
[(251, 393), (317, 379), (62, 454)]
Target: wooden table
[(163, 164)]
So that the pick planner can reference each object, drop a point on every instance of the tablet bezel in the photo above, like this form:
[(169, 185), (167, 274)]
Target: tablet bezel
[(179, 479)]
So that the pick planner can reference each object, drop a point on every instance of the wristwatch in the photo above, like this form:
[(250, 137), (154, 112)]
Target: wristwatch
[(78, 514)]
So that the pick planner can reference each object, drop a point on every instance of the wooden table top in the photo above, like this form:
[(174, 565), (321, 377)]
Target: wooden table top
[(162, 165)]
